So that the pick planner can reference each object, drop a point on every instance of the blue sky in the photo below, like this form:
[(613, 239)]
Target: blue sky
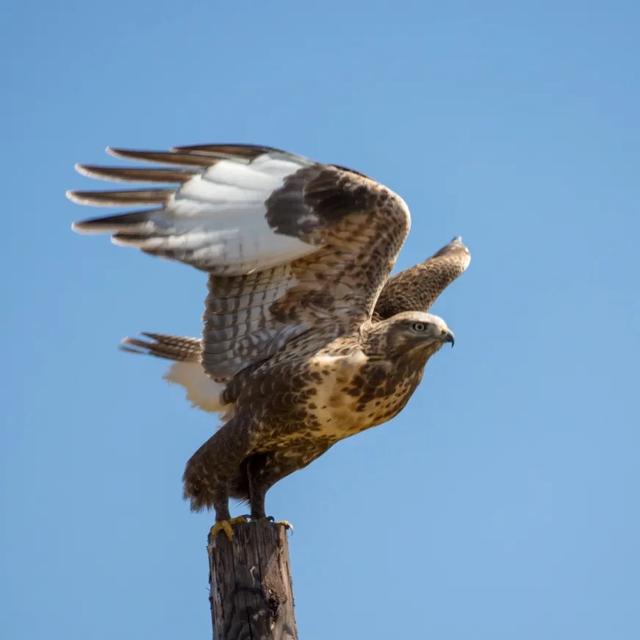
[(503, 502)]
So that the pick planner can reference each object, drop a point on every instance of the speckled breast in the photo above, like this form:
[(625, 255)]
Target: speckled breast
[(355, 393)]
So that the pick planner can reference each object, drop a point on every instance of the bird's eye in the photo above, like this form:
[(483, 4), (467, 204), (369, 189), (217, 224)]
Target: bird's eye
[(419, 326)]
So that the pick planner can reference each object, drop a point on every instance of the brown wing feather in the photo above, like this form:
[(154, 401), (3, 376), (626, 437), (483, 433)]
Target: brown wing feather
[(291, 246), (133, 174), (360, 227), (247, 151), (414, 289), (239, 301), (114, 198), (417, 288)]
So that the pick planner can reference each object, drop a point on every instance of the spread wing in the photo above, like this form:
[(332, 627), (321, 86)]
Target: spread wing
[(414, 289), (291, 245), (417, 288)]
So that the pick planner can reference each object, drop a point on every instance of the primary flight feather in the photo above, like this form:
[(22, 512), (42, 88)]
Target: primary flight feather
[(306, 339)]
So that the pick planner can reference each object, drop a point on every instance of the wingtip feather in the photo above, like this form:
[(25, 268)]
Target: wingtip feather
[(119, 152), (86, 171), (88, 227), (119, 240)]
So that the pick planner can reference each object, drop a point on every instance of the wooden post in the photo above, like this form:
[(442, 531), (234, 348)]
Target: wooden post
[(250, 583)]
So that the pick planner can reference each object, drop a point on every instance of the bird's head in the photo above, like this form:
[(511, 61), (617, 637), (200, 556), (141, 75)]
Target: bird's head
[(412, 333)]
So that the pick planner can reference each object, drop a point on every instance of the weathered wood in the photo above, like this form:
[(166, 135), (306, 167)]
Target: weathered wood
[(250, 583)]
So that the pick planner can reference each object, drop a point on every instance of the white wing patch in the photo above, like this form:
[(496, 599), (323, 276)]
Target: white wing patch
[(202, 391), (216, 220)]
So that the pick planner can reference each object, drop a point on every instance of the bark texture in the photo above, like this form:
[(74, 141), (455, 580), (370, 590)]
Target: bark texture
[(250, 583)]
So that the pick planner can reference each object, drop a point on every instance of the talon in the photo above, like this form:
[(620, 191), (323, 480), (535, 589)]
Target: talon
[(227, 527), (285, 523)]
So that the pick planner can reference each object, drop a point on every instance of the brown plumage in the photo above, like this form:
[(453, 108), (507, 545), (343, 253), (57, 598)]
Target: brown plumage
[(418, 287), (414, 289), (306, 340)]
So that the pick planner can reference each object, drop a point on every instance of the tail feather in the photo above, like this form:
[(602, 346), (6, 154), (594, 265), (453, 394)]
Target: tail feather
[(202, 391), (187, 371), (162, 345)]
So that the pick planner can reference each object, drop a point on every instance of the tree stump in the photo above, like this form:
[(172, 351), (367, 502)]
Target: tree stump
[(250, 583)]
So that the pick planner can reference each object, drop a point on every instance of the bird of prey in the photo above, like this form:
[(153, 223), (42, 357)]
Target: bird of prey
[(306, 339)]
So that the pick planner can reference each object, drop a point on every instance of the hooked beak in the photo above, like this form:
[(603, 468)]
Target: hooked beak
[(449, 337)]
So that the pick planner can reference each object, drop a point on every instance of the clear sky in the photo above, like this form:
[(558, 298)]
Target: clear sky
[(503, 502)]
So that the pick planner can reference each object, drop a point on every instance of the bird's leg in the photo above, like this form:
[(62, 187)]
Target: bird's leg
[(256, 489), (226, 526), (260, 478), (208, 473), (257, 499), (221, 506), (224, 521)]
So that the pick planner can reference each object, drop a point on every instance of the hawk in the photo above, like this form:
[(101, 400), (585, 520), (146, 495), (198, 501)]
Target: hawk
[(306, 338)]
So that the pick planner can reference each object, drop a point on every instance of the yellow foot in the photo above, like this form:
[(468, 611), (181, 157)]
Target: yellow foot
[(226, 526)]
